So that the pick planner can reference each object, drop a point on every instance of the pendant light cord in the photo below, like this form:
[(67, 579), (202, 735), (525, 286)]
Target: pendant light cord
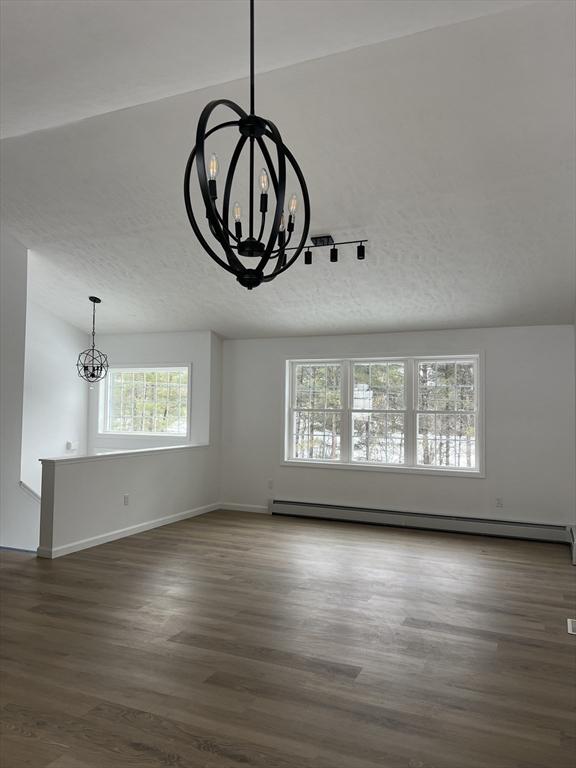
[(93, 324), (252, 112), (252, 57)]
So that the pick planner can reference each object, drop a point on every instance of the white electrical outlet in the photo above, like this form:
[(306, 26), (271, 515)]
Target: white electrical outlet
[(126, 499), (499, 502)]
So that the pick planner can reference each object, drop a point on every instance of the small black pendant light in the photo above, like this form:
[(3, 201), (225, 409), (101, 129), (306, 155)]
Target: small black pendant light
[(92, 364)]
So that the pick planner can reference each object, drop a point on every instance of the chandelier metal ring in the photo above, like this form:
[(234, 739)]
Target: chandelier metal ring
[(266, 246)]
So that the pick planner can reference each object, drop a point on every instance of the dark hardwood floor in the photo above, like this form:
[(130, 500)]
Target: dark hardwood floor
[(248, 640)]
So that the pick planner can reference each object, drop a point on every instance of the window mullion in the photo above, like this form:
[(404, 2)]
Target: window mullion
[(346, 413), (410, 417), (291, 410)]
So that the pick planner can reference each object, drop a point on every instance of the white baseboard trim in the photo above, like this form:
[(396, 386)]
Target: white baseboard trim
[(230, 507), (30, 491), (16, 549), (94, 541)]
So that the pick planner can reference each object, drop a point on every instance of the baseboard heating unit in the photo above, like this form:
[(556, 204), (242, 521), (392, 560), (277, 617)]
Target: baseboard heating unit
[(475, 525)]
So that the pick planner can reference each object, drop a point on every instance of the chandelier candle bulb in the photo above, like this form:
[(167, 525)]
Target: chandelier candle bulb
[(282, 232), (237, 213), (264, 182), (213, 168)]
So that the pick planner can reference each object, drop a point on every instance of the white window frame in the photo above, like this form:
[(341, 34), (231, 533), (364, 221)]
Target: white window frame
[(410, 395), (103, 403)]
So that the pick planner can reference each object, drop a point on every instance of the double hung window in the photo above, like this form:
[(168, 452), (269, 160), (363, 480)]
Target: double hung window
[(409, 412), (146, 401)]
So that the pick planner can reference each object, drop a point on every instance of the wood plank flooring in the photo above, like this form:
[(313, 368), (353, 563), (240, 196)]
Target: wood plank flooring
[(247, 640)]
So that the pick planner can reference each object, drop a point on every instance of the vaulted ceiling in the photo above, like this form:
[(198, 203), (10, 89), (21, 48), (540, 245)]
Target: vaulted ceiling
[(441, 131)]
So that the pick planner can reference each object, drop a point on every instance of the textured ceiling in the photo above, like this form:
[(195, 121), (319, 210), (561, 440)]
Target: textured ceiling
[(452, 150), (64, 60)]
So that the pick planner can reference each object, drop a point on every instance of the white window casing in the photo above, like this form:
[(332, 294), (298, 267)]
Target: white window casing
[(439, 433), (145, 401)]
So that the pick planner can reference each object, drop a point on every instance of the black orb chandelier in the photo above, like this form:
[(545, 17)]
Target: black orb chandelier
[(257, 250), (92, 364)]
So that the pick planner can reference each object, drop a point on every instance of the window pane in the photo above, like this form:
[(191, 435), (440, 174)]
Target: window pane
[(465, 374), (378, 438), (442, 398), (318, 387), (378, 386), (148, 402), (465, 399), (316, 435), (447, 441), (446, 386)]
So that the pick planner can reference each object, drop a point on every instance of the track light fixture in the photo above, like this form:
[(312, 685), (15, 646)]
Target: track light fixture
[(322, 241), (92, 365)]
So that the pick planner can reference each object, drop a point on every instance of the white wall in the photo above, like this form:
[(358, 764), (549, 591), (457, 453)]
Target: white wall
[(162, 485), (19, 513), (55, 398), (158, 348), (529, 392)]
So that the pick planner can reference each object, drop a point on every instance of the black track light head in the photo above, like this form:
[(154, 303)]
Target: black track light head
[(360, 252), (308, 257), (333, 254)]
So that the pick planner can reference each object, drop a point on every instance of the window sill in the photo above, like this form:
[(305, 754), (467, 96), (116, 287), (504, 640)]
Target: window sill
[(431, 472), (142, 436)]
